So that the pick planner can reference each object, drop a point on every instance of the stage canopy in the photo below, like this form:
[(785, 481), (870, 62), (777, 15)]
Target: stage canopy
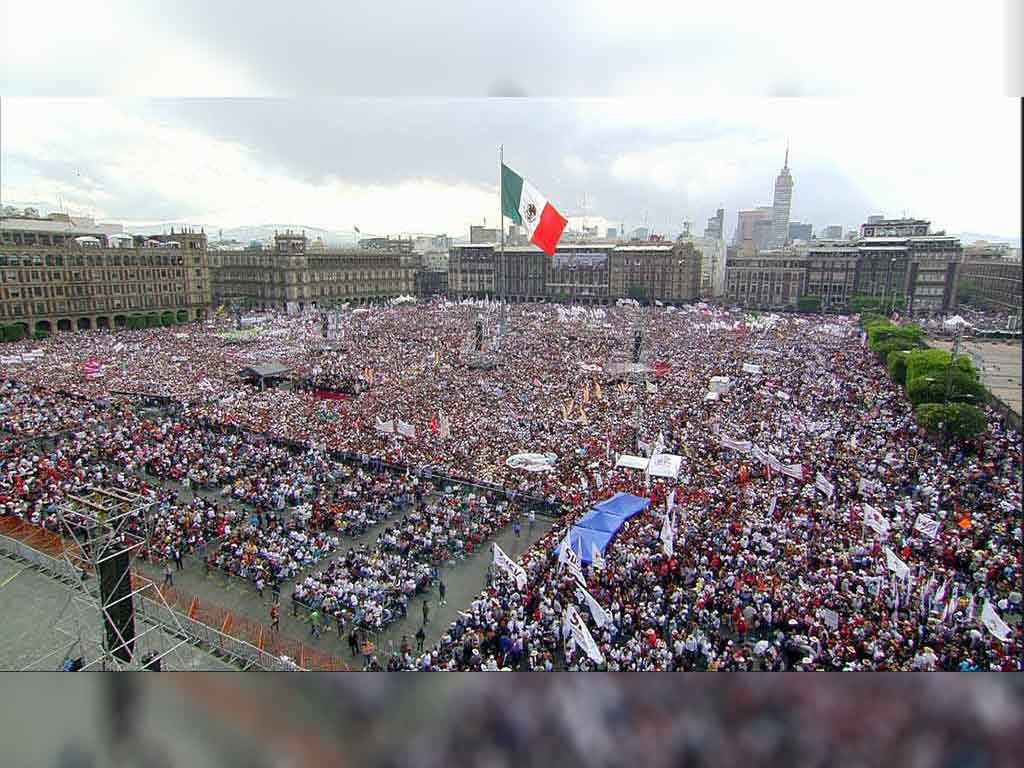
[(599, 526), (623, 505)]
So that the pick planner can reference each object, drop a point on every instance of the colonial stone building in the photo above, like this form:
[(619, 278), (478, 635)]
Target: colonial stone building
[(290, 273), (588, 273), (53, 278), (918, 271), (992, 282)]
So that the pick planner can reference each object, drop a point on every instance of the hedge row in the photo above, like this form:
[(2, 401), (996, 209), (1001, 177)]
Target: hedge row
[(927, 375)]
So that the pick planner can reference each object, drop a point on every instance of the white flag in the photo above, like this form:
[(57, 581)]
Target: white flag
[(582, 636), (601, 616), (822, 484), (408, 430), (385, 427), (444, 428), (596, 558), (874, 520), (510, 566), (927, 525), (771, 509), (666, 537), (671, 502), (569, 558), (652, 388), (896, 565), (994, 623)]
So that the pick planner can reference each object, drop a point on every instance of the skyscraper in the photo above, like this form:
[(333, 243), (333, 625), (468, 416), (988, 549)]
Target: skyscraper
[(781, 205), (716, 225)]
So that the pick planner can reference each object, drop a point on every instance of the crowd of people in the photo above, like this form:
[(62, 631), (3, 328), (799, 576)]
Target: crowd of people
[(766, 569)]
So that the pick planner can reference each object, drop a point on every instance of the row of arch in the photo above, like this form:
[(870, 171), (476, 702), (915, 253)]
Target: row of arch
[(116, 322)]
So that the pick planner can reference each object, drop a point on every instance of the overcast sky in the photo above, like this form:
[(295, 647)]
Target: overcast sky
[(887, 107)]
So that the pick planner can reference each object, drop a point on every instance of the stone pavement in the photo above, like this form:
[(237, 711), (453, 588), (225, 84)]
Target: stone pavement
[(999, 362)]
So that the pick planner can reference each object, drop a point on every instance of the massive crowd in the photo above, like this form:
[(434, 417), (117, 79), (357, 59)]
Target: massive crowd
[(766, 572)]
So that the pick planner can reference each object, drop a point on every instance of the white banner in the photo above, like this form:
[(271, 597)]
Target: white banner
[(581, 635), (631, 462), (570, 559), (874, 520), (532, 462), (796, 471), (385, 427), (664, 465), (510, 566), (896, 565), (751, 368), (822, 484), (408, 430), (601, 616), (667, 545), (927, 525), (596, 558), (743, 446), (994, 623), (866, 486)]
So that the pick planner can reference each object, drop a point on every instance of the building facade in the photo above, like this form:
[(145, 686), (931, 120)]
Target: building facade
[(754, 225), (798, 231), (715, 228), (992, 283), (587, 273), (53, 279), (782, 202), (832, 232), (919, 272), (289, 272)]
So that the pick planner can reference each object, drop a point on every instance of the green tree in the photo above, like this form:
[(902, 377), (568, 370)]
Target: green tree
[(152, 320), (932, 389), (167, 318), (964, 421), (897, 362), (934, 362)]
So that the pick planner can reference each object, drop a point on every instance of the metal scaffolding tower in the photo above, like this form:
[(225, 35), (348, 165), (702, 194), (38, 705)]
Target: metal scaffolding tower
[(112, 620)]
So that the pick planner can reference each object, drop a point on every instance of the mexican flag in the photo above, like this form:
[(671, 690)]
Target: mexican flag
[(529, 208)]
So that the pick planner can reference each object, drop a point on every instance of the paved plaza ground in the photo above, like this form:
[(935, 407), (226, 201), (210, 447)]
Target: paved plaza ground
[(1000, 365)]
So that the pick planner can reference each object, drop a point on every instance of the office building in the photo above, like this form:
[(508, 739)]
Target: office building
[(588, 273), (920, 271), (832, 232), (798, 231), (290, 273), (478, 235), (990, 278), (715, 228), (879, 226), (781, 204), (58, 273), (754, 225)]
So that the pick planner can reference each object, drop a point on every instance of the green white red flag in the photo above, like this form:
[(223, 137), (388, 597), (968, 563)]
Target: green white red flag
[(521, 202)]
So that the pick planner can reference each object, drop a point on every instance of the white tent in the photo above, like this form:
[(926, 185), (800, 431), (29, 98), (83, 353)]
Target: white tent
[(956, 321), (719, 384)]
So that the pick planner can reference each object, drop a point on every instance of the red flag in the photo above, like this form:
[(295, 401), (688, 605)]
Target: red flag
[(435, 425)]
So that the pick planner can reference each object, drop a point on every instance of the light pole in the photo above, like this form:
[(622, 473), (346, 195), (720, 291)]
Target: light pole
[(949, 386)]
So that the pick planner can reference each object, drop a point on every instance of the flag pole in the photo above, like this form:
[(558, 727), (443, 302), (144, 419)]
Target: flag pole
[(501, 207)]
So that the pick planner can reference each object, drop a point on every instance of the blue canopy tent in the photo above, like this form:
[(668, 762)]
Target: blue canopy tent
[(599, 526), (596, 520), (583, 540), (624, 505)]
